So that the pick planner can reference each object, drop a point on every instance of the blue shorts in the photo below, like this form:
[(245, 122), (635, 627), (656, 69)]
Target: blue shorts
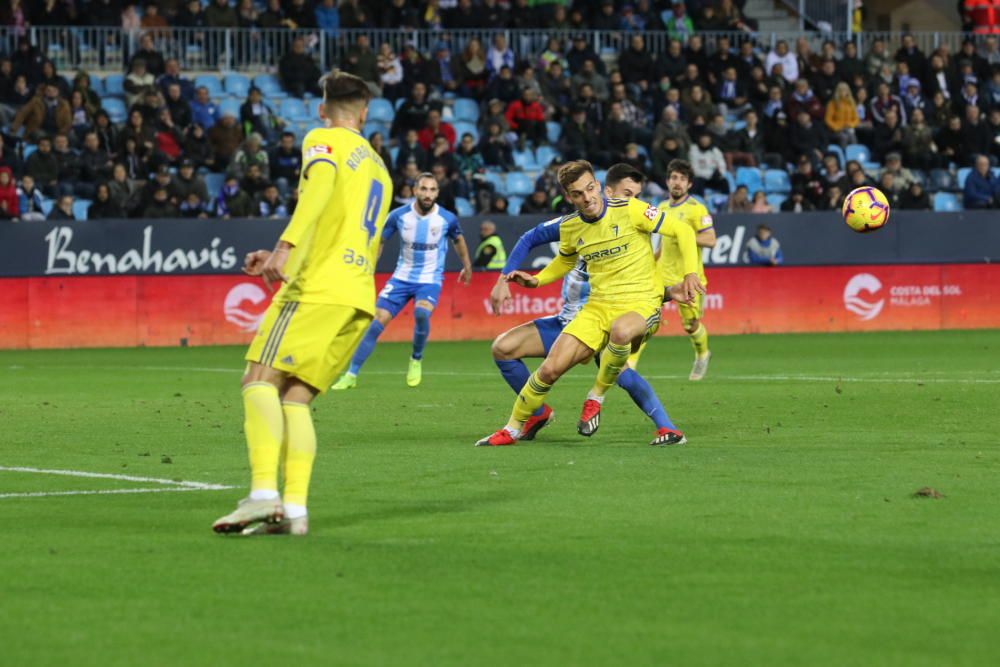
[(549, 329), (397, 293)]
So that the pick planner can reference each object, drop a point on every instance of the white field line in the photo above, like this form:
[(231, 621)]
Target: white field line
[(879, 378), (168, 485)]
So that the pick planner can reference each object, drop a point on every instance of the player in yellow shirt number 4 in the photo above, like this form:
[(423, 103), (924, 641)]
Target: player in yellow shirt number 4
[(325, 259), (612, 236)]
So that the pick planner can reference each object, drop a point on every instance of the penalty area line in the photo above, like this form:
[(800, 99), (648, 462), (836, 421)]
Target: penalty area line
[(166, 485), (110, 492)]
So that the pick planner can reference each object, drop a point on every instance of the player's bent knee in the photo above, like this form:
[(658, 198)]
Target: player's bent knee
[(502, 348), (383, 316), (624, 333), (423, 305), (691, 326)]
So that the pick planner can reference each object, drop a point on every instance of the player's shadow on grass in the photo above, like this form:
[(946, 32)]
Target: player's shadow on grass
[(424, 508)]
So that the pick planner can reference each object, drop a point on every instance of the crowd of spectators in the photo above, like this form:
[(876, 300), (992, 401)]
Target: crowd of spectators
[(722, 102)]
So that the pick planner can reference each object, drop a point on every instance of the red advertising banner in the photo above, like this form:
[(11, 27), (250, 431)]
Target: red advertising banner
[(156, 310)]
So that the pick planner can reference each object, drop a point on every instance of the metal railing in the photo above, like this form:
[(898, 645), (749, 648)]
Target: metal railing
[(822, 15), (257, 50)]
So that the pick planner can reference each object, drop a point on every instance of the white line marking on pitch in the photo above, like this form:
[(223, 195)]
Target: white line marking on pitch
[(169, 485)]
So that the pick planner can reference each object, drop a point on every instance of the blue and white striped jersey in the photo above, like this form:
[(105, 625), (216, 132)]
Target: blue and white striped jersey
[(576, 284), (423, 242)]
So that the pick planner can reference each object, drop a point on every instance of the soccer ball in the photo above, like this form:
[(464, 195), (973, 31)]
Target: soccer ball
[(865, 209)]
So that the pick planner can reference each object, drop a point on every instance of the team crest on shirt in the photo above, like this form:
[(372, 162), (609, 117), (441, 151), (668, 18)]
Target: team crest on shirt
[(318, 149), (707, 221), (651, 212), (579, 242)]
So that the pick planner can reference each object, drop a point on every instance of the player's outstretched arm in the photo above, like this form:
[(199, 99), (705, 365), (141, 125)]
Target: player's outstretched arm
[(522, 278), (678, 293), (253, 263), (500, 295), (462, 250), (687, 244)]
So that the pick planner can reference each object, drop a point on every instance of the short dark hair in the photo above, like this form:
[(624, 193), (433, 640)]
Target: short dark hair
[(341, 88), (682, 167), (619, 172), (571, 172)]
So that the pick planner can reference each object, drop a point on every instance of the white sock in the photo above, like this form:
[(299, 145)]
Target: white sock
[(591, 396), (264, 494), (293, 511), (514, 432)]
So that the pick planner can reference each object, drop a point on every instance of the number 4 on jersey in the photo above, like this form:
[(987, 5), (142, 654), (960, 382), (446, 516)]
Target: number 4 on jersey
[(371, 209)]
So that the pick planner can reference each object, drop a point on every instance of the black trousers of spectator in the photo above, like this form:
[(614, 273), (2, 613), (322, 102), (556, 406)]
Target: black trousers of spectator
[(532, 130), (717, 182)]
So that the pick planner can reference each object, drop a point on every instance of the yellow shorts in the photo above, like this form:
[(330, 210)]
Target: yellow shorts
[(592, 325), (310, 341), (693, 312)]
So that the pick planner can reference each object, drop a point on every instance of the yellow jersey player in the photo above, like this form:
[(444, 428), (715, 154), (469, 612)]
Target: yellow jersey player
[(686, 210), (326, 260), (612, 237)]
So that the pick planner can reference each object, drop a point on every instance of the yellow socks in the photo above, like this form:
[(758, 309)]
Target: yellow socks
[(300, 452), (264, 426), (531, 397), (699, 341), (613, 360)]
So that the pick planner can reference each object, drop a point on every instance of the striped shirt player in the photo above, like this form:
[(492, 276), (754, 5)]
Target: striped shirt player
[(424, 230)]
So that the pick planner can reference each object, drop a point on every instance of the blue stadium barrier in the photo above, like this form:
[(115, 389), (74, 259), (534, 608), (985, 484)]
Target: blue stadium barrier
[(466, 110), (776, 181), (946, 202), (381, 111)]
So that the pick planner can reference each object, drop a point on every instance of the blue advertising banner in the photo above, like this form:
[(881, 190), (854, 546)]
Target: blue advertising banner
[(150, 247)]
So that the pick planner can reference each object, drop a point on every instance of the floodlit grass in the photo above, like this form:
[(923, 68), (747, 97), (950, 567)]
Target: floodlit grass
[(784, 533)]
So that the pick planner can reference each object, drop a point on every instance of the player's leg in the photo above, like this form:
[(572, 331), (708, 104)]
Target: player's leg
[(626, 332), (568, 351), (532, 339), (263, 422), (425, 300), (349, 380), (691, 319)]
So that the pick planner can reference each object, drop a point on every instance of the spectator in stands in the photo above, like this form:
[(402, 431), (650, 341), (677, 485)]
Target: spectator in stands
[(708, 164), (803, 99), (81, 83), (138, 131), (46, 112), (808, 138), (253, 182), (976, 136), (269, 203), (877, 57), (471, 68), (82, 116), (696, 102), (949, 140), (940, 79), (204, 111), (18, 96), (30, 200), (667, 150), (915, 198), (250, 154), (410, 149), (538, 202), (763, 248), (490, 249), (172, 76), (390, 72), (63, 210), (637, 66), (917, 143), (760, 205), (808, 181), (680, 26), (361, 61), (441, 153), (299, 72), (498, 55), (842, 115), (434, 127), (43, 167), (232, 201), (890, 188), (153, 63), (377, 142), (69, 169), (888, 136), (503, 87), (258, 117), (197, 148), (51, 76), (589, 75), (731, 92), (224, 139), (557, 90), (982, 187), (912, 99), (469, 167), (739, 201), (441, 72), (187, 182), (446, 189), (749, 141), (193, 207), (9, 199), (833, 174), (160, 206), (412, 113), (137, 81), (914, 58), (526, 117), (782, 56), (178, 107), (797, 203), (9, 157), (220, 14), (192, 15), (328, 20), (833, 198), (104, 207), (775, 103)]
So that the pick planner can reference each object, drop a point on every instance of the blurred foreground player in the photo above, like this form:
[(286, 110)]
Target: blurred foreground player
[(424, 230), (613, 238), (326, 260)]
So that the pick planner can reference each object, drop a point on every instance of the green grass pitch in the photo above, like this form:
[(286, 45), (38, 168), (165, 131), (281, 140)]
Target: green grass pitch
[(786, 532)]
